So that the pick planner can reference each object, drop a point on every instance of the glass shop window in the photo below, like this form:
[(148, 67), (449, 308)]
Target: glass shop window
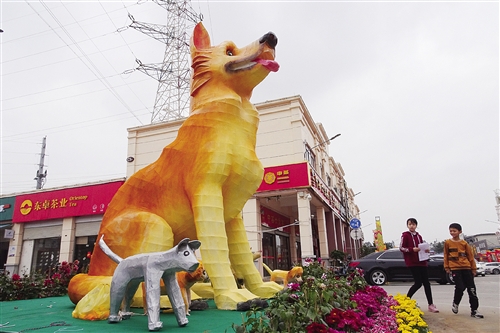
[(268, 251), (83, 251), (283, 252), (46, 254)]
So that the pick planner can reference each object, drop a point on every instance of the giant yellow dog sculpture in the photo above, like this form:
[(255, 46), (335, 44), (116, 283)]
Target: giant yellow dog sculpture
[(200, 183)]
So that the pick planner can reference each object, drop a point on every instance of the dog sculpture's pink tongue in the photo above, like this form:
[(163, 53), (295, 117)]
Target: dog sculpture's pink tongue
[(271, 65)]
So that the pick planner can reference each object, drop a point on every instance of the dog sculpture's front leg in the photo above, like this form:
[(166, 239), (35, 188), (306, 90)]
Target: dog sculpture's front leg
[(175, 297), (242, 260), (152, 281), (208, 212)]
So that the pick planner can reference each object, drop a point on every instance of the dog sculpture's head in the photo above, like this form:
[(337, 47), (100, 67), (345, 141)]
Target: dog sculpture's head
[(295, 274), (185, 251), (199, 275), (240, 69)]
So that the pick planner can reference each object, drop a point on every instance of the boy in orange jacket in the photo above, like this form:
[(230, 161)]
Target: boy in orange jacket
[(459, 260)]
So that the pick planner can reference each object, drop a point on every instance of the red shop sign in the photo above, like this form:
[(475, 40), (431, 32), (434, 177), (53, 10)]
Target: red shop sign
[(285, 176), (274, 220), (78, 201)]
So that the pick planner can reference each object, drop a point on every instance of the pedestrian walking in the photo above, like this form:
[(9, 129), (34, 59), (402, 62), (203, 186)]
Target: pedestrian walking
[(410, 241), (459, 261)]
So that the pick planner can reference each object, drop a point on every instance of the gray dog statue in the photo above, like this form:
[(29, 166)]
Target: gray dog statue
[(150, 268)]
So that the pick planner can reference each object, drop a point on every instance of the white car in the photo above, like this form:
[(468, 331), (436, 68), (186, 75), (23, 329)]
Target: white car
[(480, 269), (492, 267)]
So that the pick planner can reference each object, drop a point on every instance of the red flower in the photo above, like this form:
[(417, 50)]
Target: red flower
[(16, 277), (333, 317), (318, 328)]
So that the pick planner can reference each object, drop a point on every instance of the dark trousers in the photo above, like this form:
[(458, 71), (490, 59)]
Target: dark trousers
[(464, 279), (420, 277)]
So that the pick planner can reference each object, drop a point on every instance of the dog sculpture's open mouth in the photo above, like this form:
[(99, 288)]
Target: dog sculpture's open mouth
[(250, 62), (271, 65)]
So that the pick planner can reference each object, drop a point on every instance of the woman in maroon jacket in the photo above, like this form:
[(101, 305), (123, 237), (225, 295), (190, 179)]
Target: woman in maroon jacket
[(409, 246)]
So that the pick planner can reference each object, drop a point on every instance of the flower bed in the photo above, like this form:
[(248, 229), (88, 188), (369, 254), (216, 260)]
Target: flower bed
[(327, 303), (409, 316), (37, 285)]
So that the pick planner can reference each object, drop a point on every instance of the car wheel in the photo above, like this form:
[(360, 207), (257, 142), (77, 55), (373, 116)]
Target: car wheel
[(496, 271), (378, 277)]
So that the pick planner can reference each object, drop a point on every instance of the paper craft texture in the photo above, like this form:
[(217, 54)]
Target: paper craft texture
[(200, 183)]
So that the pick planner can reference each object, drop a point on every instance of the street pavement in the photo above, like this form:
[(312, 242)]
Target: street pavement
[(488, 290)]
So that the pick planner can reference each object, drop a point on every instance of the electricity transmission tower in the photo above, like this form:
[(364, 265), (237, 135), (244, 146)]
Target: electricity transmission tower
[(173, 74)]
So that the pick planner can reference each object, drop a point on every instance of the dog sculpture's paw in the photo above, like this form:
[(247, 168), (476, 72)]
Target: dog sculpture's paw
[(266, 289), (112, 319), (229, 299), (252, 304), (182, 322), (126, 315), (198, 305), (155, 326)]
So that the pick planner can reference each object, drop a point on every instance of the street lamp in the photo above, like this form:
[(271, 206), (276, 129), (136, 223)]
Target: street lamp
[(333, 137)]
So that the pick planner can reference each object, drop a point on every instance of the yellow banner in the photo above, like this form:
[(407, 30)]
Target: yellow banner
[(377, 235)]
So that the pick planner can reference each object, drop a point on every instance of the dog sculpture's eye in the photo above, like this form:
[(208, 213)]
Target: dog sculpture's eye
[(186, 253), (229, 53)]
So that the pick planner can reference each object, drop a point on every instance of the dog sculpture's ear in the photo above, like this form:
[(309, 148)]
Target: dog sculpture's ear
[(200, 39), (194, 244), (183, 243)]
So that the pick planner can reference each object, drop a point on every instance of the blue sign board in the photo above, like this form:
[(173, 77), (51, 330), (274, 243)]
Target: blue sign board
[(355, 223)]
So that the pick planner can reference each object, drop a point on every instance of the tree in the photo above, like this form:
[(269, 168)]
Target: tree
[(367, 248), (438, 247)]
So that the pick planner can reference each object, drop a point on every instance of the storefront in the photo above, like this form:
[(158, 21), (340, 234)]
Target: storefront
[(300, 217), (275, 239), (6, 209), (57, 225)]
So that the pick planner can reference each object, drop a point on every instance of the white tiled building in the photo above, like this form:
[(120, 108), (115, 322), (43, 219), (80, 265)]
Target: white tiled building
[(303, 206)]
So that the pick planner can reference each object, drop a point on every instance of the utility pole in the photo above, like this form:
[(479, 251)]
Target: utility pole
[(40, 174)]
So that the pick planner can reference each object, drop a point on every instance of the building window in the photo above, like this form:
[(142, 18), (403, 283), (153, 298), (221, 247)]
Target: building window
[(310, 157), (328, 181), (46, 254), (283, 252), (276, 251), (268, 251), (83, 251)]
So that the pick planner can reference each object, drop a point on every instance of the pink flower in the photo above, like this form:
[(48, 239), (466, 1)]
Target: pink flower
[(16, 277)]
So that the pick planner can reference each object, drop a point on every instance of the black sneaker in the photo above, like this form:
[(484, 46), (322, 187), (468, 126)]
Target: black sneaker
[(476, 314), (454, 308)]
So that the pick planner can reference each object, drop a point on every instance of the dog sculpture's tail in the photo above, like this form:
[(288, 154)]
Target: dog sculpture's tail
[(105, 248), (268, 269)]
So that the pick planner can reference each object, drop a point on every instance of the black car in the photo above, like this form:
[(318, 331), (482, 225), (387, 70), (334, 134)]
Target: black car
[(389, 265)]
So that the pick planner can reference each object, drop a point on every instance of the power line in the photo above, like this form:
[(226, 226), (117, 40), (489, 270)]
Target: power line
[(94, 68), (63, 98)]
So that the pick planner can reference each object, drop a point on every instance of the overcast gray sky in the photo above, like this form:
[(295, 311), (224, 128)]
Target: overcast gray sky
[(413, 87)]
